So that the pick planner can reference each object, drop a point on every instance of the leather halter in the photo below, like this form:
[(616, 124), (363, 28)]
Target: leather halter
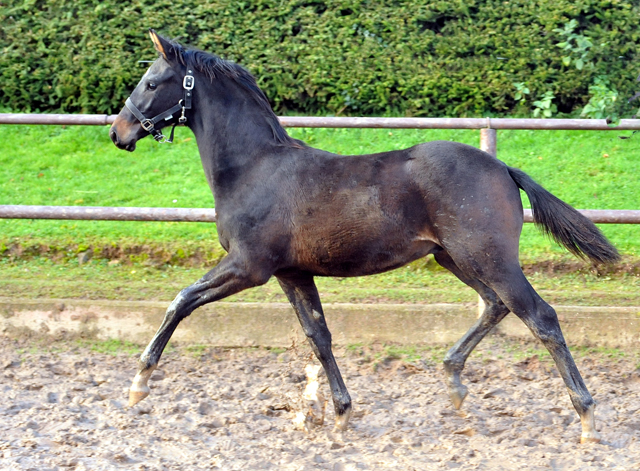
[(149, 124)]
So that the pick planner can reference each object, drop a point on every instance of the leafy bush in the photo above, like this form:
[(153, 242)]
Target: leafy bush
[(575, 46), (419, 57), (602, 102), (544, 106)]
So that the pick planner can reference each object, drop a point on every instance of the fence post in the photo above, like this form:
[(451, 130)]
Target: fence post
[(488, 140), (488, 143)]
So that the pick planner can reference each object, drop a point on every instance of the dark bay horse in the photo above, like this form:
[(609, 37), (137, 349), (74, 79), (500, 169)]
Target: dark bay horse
[(294, 212)]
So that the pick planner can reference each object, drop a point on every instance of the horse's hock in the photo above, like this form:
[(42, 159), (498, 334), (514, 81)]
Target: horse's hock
[(275, 324)]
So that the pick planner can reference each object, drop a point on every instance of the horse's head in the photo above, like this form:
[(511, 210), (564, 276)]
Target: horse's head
[(160, 99)]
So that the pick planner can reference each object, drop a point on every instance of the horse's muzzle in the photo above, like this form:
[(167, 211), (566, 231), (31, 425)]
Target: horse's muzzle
[(113, 134)]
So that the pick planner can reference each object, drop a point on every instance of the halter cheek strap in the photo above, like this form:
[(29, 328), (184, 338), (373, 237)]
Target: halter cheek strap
[(148, 124)]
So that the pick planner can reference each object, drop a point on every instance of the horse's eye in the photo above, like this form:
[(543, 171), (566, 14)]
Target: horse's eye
[(151, 86)]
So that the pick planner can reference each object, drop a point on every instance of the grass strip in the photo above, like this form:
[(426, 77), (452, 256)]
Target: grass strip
[(418, 283)]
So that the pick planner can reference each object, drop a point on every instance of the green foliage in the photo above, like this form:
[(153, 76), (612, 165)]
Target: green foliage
[(420, 58), (575, 46), (602, 102), (522, 90), (544, 107)]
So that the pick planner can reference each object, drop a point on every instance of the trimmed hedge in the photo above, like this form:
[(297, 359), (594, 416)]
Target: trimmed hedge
[(416, 58)]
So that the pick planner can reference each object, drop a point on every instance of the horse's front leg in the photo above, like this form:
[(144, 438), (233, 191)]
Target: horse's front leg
[(303, 295), (230, 276)]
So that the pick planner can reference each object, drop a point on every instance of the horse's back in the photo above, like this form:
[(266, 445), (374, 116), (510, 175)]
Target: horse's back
[(448, 159)]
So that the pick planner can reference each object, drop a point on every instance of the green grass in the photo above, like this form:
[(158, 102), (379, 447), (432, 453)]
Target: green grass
[(78, 165), (109, 347), (39, 344), (418, 283)]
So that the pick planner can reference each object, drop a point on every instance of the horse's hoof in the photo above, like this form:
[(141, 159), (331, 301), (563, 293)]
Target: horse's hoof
[(139, 389), (342, 421), (589, 432), (590, 437), (137, 396), (457, 395)]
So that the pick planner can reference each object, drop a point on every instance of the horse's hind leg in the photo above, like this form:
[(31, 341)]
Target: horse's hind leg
[(303, 295), (516, 292), (456, 357)]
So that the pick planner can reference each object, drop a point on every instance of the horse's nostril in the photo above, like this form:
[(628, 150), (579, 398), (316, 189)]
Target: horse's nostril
[(114, 136)]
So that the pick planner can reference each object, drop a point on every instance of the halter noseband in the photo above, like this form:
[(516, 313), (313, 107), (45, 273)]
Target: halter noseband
[(149, 125)]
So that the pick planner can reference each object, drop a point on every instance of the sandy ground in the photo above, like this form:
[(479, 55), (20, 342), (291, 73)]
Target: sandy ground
[(64, 408)]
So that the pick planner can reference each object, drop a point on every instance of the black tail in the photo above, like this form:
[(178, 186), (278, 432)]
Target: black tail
[(565, 224)]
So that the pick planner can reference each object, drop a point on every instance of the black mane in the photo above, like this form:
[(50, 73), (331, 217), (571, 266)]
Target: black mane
[(210, 65)]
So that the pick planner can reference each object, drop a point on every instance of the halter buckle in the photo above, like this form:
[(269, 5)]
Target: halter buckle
[(147, 125), (188, 82)]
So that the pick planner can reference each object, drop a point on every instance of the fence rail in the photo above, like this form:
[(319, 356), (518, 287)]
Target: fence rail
[(103, 213), (488, 143), (355, 122)]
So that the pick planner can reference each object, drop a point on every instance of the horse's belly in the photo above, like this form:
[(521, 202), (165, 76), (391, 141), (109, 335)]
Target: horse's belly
[(351, 253), (359, 231)]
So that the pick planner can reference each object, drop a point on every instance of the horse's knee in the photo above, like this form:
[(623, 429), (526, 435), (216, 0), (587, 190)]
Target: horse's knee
[(489, 296)]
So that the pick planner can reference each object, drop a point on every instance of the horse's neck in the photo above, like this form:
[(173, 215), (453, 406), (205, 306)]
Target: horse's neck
[(231, 141)]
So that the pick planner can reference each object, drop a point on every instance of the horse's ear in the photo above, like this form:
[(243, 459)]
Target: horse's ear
[(163, 46)]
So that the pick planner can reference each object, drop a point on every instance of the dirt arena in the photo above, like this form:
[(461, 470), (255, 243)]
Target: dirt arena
[(64, 408)]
